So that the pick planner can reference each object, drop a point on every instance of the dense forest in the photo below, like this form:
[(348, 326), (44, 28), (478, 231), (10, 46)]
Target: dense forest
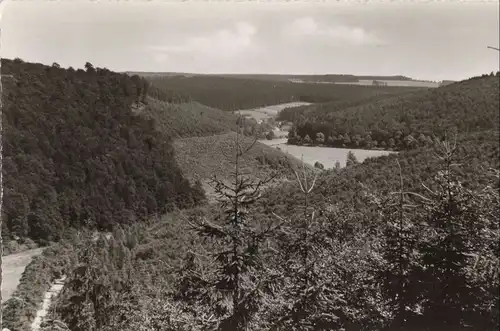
[(404, 242), (398, 122), (231, 94), (187, 119), (408, 241), (76, 155), (331, 78)]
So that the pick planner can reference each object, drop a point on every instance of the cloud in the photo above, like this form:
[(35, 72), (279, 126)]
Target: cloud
[(160, 57), (223, 44), (307, 27)]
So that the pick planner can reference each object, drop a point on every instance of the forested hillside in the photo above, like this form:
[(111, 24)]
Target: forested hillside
[(408, 241), (237, 93), (201, 158), (331, 78), (399, 122), (75, 155), (349, 255), (187, 119)]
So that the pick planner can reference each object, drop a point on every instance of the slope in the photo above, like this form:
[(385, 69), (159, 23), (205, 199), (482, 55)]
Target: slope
[(75, 155), (203, 157), (231, 94), (189, 119), (361, 239), (405, 121)]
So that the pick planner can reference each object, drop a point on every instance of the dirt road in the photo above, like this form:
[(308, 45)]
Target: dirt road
[(13, 268)]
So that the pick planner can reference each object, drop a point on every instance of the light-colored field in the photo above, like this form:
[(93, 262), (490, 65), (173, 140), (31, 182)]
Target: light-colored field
[(409, 83), (324, 155), (202, 157), (264, 113), (13, 267)]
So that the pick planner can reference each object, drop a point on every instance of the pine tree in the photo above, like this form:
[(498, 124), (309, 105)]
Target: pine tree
[(441, 253), (309, 299), (224, 289), (99, 287), (351, 159)]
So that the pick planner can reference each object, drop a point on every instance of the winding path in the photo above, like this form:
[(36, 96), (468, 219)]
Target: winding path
[(12, 269)]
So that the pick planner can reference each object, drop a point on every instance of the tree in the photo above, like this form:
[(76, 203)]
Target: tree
[(391, 143), (270, 135), (351, 159), (226, 290), (422, 139), (300, 306), (145, 90), (320, 138), (319, 165), (307, 139), (330, 141), (89, 67), (459, 250), (410, 141), (337, 165), (400, 244), (101, 283), (440, 252), (347, 139)]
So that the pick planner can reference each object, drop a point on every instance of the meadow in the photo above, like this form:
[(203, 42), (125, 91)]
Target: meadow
[(264, 113), (327, 156), (406, 83)]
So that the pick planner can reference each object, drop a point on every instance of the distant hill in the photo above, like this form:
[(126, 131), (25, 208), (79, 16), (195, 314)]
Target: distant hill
[(277, 77), (229, 93), (403, 121), (446, 82)]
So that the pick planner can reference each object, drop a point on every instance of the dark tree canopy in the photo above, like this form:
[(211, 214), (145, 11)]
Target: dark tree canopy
[(75, 155)]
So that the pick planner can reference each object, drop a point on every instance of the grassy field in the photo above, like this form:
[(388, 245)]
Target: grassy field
[(406, 83), (324, 155), (264, 113), (202, 157), (187, 119)]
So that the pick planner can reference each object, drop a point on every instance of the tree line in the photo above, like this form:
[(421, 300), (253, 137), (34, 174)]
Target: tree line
[(230, 93)]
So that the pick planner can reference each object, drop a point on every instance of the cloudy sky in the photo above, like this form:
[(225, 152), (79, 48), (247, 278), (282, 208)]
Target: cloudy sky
[(421, 39)]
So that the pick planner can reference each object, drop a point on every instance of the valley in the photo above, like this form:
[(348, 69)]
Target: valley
[(327, 156), (175, 176)]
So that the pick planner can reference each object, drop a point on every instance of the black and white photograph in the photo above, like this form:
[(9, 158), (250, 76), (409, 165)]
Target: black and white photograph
[(249, 165)]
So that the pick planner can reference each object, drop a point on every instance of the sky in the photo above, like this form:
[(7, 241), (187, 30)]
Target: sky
[(430, 40)]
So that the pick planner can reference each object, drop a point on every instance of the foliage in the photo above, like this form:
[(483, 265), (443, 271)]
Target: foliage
[(357, 255), (75, 155), (230, 94), (442, 253), (351, 159), (405, 121), (100, 290), (226, 290), (187, 119), (55, 261), (318, 165), (202, 157), (341, 269)]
